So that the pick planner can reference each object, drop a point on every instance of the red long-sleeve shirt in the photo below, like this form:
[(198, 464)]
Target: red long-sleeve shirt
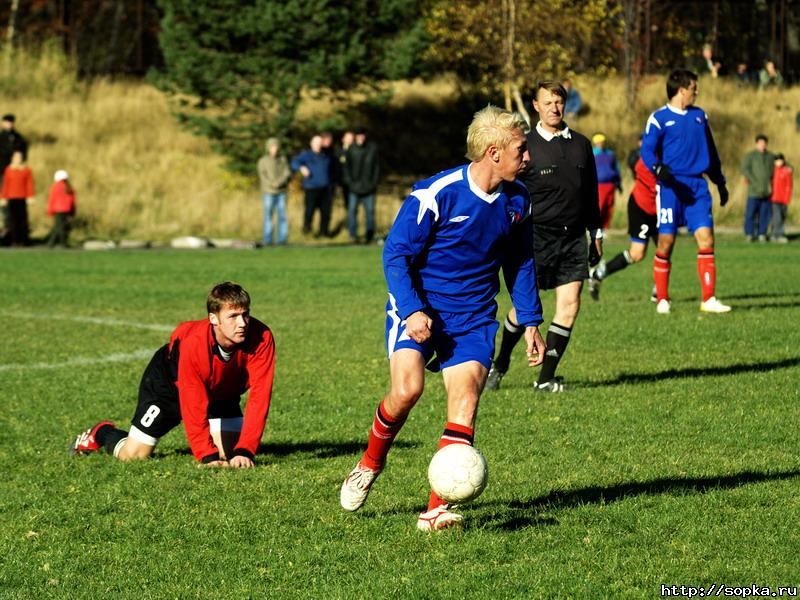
[(17, 183), (203, 378), (61, 200), (644, 188), (782, 184)]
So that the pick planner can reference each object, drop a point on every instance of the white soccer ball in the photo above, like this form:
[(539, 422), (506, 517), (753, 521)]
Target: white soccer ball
[(458, 473)]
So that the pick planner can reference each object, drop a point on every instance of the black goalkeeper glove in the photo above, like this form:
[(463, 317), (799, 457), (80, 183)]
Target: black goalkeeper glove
[(723, 194), (663, 174)]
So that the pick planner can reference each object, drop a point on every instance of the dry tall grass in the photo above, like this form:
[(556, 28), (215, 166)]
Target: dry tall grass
[(138, 175)]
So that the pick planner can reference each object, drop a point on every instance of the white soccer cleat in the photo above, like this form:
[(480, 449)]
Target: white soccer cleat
[(663, 307), (554, 385), (356, 487), (439, 518), (712, 305)]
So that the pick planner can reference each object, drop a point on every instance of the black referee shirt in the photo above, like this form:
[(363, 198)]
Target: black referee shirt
[(562, 181)]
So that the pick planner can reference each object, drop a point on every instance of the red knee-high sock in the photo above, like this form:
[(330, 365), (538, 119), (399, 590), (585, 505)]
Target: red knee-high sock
[(381, 435), (453, 434), (661, 266), (707, 272)]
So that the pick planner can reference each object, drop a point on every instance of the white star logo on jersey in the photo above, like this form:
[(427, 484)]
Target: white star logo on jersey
[(459, 218)]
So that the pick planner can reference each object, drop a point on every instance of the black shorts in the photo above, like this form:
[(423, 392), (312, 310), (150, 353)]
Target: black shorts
[(560, 256), (159, 409), (641, 226)]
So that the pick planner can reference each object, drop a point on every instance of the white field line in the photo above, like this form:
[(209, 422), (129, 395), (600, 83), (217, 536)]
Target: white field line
[(93, 320), (80, 361), (85, 361)]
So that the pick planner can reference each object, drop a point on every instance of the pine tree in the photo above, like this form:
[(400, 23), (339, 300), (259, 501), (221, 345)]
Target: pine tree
[(240, 67)]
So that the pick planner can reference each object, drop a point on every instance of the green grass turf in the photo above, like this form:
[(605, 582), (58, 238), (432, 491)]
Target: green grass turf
[(672, 459)]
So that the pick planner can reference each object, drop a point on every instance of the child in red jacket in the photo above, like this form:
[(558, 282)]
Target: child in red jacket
[(60, 206), (17, 190), (781, 196)]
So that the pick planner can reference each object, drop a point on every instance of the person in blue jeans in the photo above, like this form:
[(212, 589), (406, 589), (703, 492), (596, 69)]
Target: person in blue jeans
[(314, 165), (757, 166), (360, 173), (274, 174)]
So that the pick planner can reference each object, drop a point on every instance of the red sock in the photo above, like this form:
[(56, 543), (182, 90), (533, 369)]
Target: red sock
[(453, 434), (707, 272), (661, 266), (381, 435)]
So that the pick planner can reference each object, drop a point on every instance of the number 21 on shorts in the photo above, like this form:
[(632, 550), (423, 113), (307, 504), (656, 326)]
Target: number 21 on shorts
[(666, 215)]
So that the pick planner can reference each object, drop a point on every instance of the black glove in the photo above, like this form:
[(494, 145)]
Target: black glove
[(594, 255), (663, 174), (723, 194)]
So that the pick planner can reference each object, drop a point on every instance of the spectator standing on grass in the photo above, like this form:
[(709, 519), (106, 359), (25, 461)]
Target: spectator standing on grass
[(329, 150), (341, 157), (10, 140), (315, 167), (17, 191), (442, 261), (608, 178), (274, 174), (360, 174), (562, 181), (198, 378), (679, 149), (782, 176), (60, 206), (757, 166), (769, 76), (573, 103)]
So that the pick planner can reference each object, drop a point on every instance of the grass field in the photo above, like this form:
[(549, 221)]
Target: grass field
[(672, 459)]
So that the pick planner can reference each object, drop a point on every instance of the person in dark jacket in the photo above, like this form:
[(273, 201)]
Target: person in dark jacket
[(315, 167), (10, 141), (360, 173)]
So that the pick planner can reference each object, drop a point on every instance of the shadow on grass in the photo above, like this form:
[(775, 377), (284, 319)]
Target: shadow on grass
[(695, 372), (526, 513), (315, 449)]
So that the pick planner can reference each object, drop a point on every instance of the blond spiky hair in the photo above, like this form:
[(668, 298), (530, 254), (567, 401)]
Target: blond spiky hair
[(492, 126)]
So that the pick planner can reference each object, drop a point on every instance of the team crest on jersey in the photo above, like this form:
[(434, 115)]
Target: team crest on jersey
[(699, 120), (514, 217)]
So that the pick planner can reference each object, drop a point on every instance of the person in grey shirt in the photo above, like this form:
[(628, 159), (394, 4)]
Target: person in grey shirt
[(274, 174), (757, 168)]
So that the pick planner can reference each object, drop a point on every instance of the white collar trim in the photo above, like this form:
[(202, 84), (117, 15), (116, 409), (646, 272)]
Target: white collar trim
[(489, 198), (565, 133), (676, 110)]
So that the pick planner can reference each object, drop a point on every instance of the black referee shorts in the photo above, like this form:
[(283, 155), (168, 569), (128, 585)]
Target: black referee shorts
[(560, 256)]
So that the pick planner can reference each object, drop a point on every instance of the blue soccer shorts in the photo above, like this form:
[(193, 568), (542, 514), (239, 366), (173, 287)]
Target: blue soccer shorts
[(456, 337), (685, 202)]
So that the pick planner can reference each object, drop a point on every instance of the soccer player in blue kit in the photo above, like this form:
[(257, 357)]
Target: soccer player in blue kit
[(441, 261), (679, 133)]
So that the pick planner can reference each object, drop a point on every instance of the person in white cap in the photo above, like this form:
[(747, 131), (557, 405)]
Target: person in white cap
[(60, 206)]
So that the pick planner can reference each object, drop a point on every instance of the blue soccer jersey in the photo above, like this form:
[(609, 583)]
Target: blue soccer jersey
[(448, 243), (683, 140)]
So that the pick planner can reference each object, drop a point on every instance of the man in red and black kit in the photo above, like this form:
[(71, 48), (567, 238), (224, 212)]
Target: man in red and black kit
[(198, 378)]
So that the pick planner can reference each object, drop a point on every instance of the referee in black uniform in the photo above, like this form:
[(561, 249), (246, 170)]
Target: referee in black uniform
[(562, 180)]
